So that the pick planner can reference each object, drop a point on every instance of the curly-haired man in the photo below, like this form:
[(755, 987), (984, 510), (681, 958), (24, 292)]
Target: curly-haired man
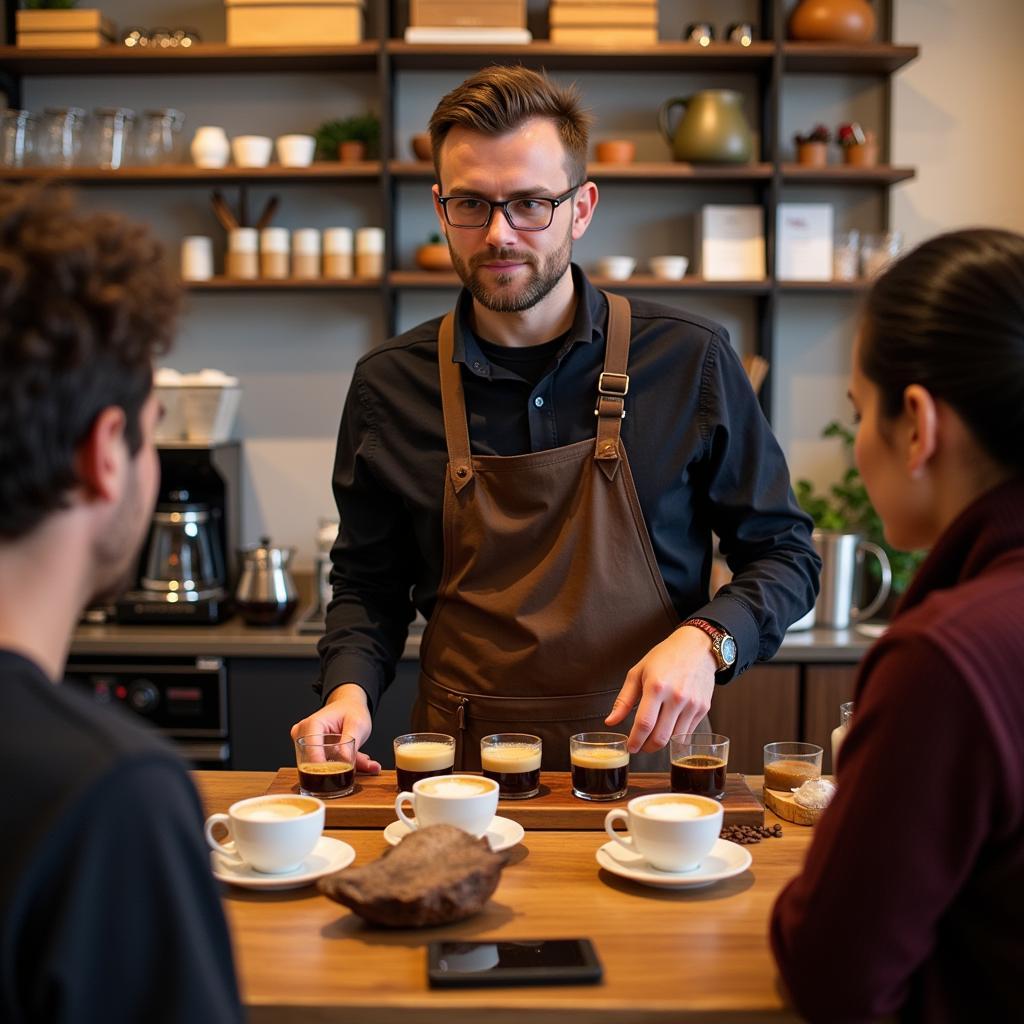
[(108, 908)]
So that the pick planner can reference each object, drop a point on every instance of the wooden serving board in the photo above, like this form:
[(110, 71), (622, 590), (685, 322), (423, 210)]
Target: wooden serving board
[(372, 805)]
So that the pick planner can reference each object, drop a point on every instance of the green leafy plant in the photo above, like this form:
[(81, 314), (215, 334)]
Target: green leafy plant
[(363, 128), (847, 507)]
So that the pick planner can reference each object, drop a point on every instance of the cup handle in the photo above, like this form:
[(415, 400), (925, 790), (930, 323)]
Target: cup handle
[(884, 588), (609, 826), (228, 849), (411, 823)]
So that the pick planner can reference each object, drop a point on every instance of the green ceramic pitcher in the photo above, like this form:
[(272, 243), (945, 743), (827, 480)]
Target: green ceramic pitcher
[(711, 130)]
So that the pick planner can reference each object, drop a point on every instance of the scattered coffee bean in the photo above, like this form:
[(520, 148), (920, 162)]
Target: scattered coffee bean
[(747, 835)]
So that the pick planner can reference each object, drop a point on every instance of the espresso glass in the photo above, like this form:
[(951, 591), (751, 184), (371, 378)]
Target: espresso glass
[(327, 765), (512, 759), (421, 755), (787, 766), (600, 765), (699, 763)]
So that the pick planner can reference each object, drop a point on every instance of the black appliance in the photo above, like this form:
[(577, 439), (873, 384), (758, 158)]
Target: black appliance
[(184, 699)]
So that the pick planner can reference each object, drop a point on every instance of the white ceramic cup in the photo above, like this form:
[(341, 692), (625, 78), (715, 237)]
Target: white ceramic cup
[(251, 150), (468, 802), (295, 150), (210, 146), (668, 268), (671, 831), (617, 268), (196, 258), (271, 834)]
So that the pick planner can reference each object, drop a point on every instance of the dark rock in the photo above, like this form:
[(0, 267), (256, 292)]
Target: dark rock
[(434, 876)]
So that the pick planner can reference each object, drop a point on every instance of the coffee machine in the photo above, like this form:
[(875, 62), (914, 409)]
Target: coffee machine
[(187, 570)]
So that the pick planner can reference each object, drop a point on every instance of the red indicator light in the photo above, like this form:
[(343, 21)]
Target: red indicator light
[(121, 692)]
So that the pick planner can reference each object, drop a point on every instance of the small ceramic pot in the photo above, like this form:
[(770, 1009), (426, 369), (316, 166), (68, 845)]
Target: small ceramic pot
[(252, 150), (351, 152), (864, 155), (434, 256), (812, 154), (616, 268), (210, 147), (615, 151), (420, 144), (832, 21)]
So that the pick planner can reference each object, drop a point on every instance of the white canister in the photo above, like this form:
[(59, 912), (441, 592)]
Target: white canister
[(243, 253), (305, 253), (274, 253), (210, 146), (196, 258), (370, 252), (295, 150), (337, 252)]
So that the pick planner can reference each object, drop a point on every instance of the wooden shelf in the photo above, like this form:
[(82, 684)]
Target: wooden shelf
[(420, 279), (665, 56), (177, 174), (840, 59), (654, 171), (319, 284), (841, 174), (206, 58), (825, 287)]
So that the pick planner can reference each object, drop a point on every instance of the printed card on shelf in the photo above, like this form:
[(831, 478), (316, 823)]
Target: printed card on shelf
[(732, 243), (804, 233)]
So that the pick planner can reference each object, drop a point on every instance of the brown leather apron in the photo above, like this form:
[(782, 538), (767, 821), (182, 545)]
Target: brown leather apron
[(550, 591)]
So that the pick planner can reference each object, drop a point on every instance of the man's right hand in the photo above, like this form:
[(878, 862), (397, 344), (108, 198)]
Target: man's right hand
[(346, 711)]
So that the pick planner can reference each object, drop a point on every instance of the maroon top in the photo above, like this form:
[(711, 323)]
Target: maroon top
[(912, 898)]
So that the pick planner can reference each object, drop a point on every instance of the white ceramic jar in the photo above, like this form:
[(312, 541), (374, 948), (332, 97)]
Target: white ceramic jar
[(210, 147)]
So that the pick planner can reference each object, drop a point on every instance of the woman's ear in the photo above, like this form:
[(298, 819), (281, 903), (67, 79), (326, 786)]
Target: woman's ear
[(921, 419)]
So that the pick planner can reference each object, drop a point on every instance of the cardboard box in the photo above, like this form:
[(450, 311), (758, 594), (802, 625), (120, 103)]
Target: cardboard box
[(617, 15), (804, 242), (467, 13), (732, 243), (294, 22), (620, 35), (83, 29)]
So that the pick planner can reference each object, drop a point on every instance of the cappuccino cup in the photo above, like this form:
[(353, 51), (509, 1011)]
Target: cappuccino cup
[(468, 802), (671, 831), (272, 834)]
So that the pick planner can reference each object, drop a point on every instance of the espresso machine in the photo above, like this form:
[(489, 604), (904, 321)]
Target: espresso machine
[(187, 570)]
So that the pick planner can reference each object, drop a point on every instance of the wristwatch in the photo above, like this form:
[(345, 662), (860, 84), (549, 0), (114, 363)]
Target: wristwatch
[(723, 646)]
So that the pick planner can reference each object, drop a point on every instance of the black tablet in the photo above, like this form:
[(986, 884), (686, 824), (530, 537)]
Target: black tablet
[(508, 962)]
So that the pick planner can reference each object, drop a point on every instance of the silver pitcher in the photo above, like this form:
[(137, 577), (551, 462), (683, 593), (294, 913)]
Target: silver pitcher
[(266, 594), (842, 556)]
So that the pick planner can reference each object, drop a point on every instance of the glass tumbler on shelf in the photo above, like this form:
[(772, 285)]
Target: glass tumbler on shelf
[(846, 256), (19, 138), (159, 138), (111, 136), (878, 251), (60, 136)]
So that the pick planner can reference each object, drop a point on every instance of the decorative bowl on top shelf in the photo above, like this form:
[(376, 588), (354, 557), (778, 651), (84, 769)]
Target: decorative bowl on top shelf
[(615, 151), (420, 145), (434, 255), (832, 21)]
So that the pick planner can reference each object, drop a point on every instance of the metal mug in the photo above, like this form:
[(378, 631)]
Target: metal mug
[(842, 555)]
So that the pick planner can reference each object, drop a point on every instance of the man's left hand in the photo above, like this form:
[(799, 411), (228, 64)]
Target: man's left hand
[(673, 684)]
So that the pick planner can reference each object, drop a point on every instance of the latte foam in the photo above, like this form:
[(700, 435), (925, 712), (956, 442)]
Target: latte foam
[(674, 809), (446, 786), (276, 810)]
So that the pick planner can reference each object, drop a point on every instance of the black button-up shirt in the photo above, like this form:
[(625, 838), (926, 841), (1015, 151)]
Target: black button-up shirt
[(702, 455)]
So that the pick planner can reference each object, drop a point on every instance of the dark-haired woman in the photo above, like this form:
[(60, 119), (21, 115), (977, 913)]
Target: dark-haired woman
[(912, 898)]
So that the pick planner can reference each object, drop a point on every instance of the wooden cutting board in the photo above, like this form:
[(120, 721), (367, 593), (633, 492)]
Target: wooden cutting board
[(372, 805)]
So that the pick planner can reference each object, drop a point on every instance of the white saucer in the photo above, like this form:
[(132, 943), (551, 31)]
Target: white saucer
[(329, 855), (871, 629), (503, 834), (725, 860)]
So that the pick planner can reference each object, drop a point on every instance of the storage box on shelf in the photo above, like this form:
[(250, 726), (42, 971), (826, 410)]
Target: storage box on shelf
[(84, 29), (294, 22), (590, 23), (467, 14)]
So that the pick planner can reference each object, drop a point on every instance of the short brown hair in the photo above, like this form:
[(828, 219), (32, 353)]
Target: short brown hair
[(86, 302), (501, 97)]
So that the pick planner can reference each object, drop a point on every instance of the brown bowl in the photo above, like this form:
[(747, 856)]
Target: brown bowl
[(434, 256), (615, 151), (420, 143)]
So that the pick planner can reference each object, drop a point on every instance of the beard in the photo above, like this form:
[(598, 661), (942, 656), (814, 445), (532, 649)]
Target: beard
[(543, 273), (115, 552)]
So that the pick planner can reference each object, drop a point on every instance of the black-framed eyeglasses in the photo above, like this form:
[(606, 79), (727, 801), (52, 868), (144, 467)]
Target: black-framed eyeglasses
[(530, 213)]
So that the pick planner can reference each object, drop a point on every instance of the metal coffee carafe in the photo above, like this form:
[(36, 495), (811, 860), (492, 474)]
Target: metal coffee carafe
[(266, 594), (184, 562), (842, 557)]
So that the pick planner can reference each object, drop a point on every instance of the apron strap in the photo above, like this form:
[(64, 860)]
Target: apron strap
[(453, 405), (612, 387)]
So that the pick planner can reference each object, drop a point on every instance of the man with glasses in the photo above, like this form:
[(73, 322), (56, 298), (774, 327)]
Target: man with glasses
[(540, 470)]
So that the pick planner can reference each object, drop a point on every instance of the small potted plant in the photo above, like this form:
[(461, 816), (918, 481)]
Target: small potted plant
[(860, 148), (434, 254), (812, 148), (349, 139)]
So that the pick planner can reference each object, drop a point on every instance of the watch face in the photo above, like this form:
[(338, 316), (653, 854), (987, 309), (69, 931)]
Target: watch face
[(728, 650)]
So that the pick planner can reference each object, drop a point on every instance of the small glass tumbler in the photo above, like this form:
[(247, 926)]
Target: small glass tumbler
[(846, 256), (512, 760), (787, 766), (421, 755), (60, 137), (878, 251), (699, 763), (327, 765), (600, 765)]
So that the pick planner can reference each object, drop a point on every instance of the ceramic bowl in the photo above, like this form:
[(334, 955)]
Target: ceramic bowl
[(420, 144), (615, 151), (617, 268), (295, 150), (251, 150), (668, 268)]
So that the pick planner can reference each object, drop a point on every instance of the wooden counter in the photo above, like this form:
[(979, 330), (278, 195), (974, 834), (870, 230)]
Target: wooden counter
[(668, 956)]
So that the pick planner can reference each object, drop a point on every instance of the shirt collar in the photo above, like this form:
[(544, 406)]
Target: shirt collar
[(587, 327)]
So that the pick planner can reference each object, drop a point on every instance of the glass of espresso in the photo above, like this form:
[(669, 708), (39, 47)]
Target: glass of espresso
[(327, 765), (421, 755), (699, 762), (600, 765), (512, 759), (787, 766)]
